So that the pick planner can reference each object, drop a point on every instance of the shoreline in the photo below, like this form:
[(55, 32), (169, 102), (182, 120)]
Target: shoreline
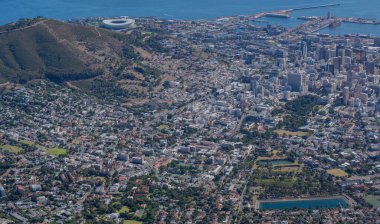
[(254, 16), (251, 17)]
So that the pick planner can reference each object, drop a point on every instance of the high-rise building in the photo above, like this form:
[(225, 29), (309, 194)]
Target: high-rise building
[(255, 87), (337, 63), (348, 52), (249, 58), (360, 55), (2, 191), (323, 53), (332, 53), (346, 95), (295, 80), (305, 86), (364, 98), (304, 49), (377, 41), (370, 67), (341, 52), (330, 68)]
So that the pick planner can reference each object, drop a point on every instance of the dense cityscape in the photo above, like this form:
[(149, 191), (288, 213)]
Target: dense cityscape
[(219, 121)]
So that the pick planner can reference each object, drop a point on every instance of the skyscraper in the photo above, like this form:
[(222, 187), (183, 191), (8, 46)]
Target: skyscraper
[(295, 80), (323, 53), (370, 67), (254, 87), (377, 41), (304, 49), (346, 95), (341, 53)]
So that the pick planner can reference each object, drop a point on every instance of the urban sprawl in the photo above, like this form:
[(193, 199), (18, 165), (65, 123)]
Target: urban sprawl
[(244, 117)]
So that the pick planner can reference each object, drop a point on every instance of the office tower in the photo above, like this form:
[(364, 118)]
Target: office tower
[(2, 191), (377, 41), (364, 98), (360, 55), (304, 49), (304, 86), (249, 58), (323, 53), (341, 52), (254, 87), (348, 53), (337, 63), (346, 95), (332, 53), (370, 67), (295, 80)]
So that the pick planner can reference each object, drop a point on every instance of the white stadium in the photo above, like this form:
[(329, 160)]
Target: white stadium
[(117, 24)]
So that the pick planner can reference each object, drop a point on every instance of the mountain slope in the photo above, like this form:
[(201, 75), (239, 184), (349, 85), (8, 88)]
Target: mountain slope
[(58, 51)]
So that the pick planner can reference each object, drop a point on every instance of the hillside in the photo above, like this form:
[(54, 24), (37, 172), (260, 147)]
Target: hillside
[(61, 52)]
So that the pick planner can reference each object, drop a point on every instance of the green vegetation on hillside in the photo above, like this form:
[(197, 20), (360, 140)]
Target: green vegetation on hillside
[(98, 61), (36, 53)]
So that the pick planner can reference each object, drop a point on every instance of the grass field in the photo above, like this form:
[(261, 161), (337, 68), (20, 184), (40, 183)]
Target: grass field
[(372, 200), (278, 167), (11, 148), (292, 133), (27, 142), (288, 169), (124, 209), (163, 127), (337, 172), (131, 222), (56, 151)]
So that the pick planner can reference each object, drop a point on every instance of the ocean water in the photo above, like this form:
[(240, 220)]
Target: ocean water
[(12, 10), (305, 204)]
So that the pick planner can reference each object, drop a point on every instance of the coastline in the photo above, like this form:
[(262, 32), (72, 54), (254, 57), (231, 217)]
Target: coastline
[(195, 12)]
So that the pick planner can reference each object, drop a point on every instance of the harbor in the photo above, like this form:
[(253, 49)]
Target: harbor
[(345, 20), (286, 13), (313, 24)]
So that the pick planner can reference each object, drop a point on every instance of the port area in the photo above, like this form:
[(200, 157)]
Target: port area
[(286, 13), (313, 23), (346, 20)]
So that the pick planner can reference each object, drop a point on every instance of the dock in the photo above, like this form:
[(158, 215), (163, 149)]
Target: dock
[(361, 21), (278, 15), (286, 13)]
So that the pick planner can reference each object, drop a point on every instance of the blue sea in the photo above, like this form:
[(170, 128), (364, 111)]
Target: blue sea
[(12, 10)]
